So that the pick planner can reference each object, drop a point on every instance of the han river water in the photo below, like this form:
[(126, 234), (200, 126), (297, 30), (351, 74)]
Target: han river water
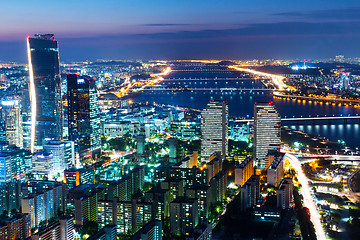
[(241, 104)]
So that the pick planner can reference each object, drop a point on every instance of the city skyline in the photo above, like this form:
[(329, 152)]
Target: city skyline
[(195, 144), (160, 30)]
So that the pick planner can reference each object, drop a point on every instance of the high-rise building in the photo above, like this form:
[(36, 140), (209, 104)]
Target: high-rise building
[(250, 192), (10, 196), (85, 198), (172, 148), (40, 206), (128, 216), (214, 129), (284, 194), (13, 122), (62, 229), (184, 215), (45, 90), (83, 116), (16, 228), (106, 233), (267, 131), (275, 172), (244, 171), (151, 231)]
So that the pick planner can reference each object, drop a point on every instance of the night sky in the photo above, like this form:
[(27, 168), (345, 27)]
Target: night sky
[(184, 29)]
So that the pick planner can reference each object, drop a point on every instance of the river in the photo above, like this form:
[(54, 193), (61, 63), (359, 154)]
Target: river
[(241, 104)]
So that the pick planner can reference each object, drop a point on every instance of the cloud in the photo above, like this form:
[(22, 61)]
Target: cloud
[(166, 24), (347, 14), (267, 40)]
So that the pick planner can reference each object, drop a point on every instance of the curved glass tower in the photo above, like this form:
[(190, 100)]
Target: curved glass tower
[(45, 90)]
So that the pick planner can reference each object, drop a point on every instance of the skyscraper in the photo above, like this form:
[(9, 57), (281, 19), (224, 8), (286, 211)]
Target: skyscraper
[(13, 122), (267, 131), (83, 116), (45, 90), (214, 129)]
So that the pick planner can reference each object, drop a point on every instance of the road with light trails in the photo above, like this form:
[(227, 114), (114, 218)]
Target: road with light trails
[(141, 84), (276, 79), (308, 202)]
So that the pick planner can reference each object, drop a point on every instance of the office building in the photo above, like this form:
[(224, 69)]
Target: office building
[(244, 171), (276, 170), (115, 129), (250, 192), (45, 90), (214, 129), (186, 129), (13, 162), (284, 194), (11, 113), (74, 177), (267, 131), (83, 116), (184, 215), (63, 155), (43, 165)]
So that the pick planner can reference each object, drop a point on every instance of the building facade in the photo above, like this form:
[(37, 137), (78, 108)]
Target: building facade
[(11, 112), (267, 131), (214, 129), (83, 116), (45, 90)]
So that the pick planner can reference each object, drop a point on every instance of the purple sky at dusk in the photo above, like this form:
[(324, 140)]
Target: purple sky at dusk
[(232, 29)]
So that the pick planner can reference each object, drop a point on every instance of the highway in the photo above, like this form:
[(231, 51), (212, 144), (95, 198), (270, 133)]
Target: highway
[(307, 197), (276, 79), (324, 99), (129, 86)]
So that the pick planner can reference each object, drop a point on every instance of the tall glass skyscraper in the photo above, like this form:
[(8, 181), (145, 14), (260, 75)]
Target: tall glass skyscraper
[(45, 90), (83, 116), (267, 131), (214, 129)]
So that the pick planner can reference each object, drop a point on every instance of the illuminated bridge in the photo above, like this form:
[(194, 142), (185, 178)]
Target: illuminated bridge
[(183, 89), (208, 79), (309, 118)]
